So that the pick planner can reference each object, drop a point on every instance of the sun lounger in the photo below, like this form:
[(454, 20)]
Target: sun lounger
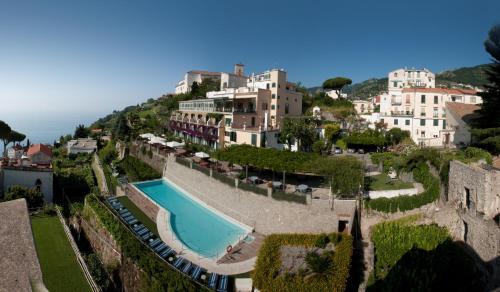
[(178, 263), (112, 200), (166, 252), (122, 211), (160, 247), (146, 236), (187, 268), (132, 221), (137, 226), (196, 272), (142, 231), (222, 284), (212, 281), (117, 206), (153, 243), (128, 217)]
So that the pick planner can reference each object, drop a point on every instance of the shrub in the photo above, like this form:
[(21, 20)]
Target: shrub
[(319, 264), (108, 153), (322, 241), (266, 276), (289, 197), (137, 170), (34, 198)]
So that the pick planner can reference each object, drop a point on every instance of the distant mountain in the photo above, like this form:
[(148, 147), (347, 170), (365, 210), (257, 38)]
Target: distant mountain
[(456, 78)]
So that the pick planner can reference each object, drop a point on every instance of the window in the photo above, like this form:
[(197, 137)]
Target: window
[(278, 97), (253, 121), (435, 122), (418, 74), (228, 122), (254, 139), (382, 121), (232, 137), (422, 98), (473, 99), (264, 106), (422, 112), (396, 74), (422, 134), (286, 109), (422, 122), (273, 107), (444, 124), (227, 134), (395, 121), (395, 84), (407, 122), (436, 99), (408, 99), (274, 84), (267, 85)]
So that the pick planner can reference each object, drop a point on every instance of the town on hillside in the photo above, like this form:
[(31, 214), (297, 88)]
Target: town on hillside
[(241, 181)]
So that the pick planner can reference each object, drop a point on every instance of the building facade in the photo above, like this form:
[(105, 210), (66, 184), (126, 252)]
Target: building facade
[(184, 86), (458, 119), (414, 104), (245, 115), (81, 145)]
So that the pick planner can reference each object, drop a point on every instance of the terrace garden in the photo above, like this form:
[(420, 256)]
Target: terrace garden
[(303, 262), (383, 182), (411, 257), (60, 268)]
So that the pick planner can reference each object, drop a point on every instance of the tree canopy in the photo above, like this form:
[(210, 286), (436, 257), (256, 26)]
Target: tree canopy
[(336, 84), (301, 129), (7, 135), (489, 117)]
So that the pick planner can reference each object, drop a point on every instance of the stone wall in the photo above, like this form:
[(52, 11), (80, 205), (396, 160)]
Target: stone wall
[(156, 161), (477, 209), (148, 207), (101, 241)]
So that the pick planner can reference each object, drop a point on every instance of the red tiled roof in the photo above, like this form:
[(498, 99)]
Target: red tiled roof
[(442, 90), (39, 148), (461, 110)]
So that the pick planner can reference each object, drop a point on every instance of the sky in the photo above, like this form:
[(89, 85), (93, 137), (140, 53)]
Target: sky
[(97, 56)]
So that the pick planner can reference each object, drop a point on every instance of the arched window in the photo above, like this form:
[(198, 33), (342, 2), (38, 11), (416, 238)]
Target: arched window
[(38, 185)]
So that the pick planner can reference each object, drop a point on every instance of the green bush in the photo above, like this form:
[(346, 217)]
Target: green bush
[(108, 153), (322, 241), (319, 264), (158, 274), (289, 197), (252, 188), (34, 198), (136, 170), (267, 268)]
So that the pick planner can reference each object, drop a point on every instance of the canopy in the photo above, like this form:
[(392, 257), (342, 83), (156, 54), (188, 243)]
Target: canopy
[(147, 136), (302, 188), (201, 155), (174, 144), (158, 140)]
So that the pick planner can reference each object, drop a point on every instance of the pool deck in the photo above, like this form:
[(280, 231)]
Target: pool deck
[(241, 260)]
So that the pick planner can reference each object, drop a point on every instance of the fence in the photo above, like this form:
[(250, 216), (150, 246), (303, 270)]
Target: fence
[(79, 257)]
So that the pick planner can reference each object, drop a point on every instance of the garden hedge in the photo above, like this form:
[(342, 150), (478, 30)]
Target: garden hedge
[(159, 275), (266, 274)]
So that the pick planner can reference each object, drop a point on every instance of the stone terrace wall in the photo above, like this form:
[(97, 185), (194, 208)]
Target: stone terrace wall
[(264, 214), (157, 160), (148, 207)]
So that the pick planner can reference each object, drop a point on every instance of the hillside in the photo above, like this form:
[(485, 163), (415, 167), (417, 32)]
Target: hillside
[(474, 76)]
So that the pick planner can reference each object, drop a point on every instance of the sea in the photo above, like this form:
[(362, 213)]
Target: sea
[(47, 127)]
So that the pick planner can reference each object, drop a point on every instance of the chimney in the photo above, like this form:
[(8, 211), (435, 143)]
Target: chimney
[(238, 69)]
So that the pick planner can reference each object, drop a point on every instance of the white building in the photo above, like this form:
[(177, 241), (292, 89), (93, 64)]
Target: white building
[(363, 107), (458, 118), (82, 145), (414, 104), (184, 86)]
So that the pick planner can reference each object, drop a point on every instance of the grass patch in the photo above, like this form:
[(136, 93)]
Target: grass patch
[(150, 224), (267, 277), (60, 268), (383, 182)]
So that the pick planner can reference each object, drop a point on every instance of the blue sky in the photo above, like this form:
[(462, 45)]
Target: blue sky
[(96, 56)]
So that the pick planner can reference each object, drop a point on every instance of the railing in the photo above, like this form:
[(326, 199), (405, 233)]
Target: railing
[(79, 257)]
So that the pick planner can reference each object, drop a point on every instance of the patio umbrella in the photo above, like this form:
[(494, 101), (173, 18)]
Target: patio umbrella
[(302, 188), (202, 155), (174, 144)]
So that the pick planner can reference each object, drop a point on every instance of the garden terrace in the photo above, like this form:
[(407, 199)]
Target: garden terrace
[(323, 272)]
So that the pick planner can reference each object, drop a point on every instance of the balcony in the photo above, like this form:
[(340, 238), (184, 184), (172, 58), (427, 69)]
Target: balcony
[(396, 101), (402, 113)]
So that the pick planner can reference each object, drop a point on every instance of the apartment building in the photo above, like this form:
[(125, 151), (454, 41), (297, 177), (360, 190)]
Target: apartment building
[(245, 115), (414, 104)]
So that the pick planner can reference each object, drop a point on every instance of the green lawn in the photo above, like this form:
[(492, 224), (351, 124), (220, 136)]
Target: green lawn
[(150, 224), (383, 182), (60, 269)]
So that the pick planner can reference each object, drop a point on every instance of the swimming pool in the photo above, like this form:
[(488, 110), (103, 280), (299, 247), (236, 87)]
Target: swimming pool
[(197, 227)]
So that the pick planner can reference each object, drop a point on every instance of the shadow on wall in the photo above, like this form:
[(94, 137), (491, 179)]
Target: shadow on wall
[(452, 266)]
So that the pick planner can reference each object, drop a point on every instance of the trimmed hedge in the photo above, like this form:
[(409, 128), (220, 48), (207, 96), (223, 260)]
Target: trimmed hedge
[(422, 174), (252, 188), (159, 275), (290, 197), (266, 274), (182, 161), (223, 178)]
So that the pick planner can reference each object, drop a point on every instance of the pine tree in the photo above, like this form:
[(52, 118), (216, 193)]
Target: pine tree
[(490, 110)]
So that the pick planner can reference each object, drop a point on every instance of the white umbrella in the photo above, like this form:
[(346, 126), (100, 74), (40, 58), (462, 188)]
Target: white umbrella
[(158, 140), (147, 136), (174, 144), (202, 155)]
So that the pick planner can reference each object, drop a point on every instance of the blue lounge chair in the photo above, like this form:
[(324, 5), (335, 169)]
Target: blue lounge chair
[(178, 263), (166, 252), (128, 217), (142, 231), (153, 243), (196, 272), (117, 206), (212, 281), (187, 267), (147, 236), (138, 226), (160, 247), (123, 211), (223, 284), (132, 221)]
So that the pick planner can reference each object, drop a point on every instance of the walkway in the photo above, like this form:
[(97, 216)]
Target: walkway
[(99, 173)]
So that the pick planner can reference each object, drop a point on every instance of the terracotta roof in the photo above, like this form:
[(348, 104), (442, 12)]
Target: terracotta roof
[(463, 111), (442, 90), (39, 148)]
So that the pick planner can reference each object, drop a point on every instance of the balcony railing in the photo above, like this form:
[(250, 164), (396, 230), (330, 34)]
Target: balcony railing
[(401, 113)]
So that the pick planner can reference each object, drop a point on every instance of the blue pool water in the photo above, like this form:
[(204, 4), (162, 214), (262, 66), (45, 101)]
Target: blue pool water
[(199, 228)]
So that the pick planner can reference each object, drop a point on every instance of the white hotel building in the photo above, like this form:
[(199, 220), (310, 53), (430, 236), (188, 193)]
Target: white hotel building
[(414, 104)]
